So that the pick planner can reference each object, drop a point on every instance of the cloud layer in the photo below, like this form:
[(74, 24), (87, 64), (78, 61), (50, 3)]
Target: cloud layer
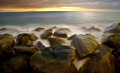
[(91, 4)]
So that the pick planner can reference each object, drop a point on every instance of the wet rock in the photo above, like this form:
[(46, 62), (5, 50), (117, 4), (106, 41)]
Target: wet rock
[(84, 28), (33, 37), (113, 40), (46, 34), (30, 49), (116, 53), (54, 60), (26, 39), (114, 28), (16, 64), (71, 37), (40, 46), (54, 27), (100, 63), (93, 28), (39, 29), (7, 43), (62, 32), (85, 45), (56, 41), (49, 30)]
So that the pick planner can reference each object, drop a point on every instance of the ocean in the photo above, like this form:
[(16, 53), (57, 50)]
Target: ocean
[(28, 21)]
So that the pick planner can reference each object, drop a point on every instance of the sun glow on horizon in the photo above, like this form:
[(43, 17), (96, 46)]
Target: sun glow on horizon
[(56, 9)]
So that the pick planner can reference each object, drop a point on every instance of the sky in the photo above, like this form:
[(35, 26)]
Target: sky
[(59, 5)]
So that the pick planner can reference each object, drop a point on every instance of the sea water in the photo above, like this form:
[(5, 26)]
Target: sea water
[(74, 20)]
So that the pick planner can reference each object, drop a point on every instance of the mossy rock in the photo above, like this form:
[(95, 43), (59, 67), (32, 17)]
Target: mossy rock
[(100, 63), (113, 40), (54, 60), (85, 45), (46, 34), (55, 41), (26, 39), (62, 32), (16, 64), (7, 43)]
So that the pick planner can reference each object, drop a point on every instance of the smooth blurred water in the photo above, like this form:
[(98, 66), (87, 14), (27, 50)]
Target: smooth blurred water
[(57, 18)]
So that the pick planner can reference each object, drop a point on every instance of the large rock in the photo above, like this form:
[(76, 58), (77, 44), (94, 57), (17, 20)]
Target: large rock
[(116, 53), (93, 28), (30, 49), (113, 40), (26, 39), (56, 41), (114, 28), (85, 45), (7, 43), (33, 37), (39, 29), (100, 63), (71, 37), (62, 32), (15, 65), (54, 60), (40, 46), (46, 34)]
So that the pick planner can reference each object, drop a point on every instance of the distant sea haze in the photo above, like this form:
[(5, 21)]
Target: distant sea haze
[(57, 18)]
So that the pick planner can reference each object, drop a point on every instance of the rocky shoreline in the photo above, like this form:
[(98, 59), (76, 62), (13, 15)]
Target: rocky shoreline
[(83, 54)]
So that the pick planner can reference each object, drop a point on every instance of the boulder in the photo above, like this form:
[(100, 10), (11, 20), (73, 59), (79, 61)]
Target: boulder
[(54, 60), (7, 43), (62, 32), (116, 53), (16, 64), (55, 41), (26, 39), (114, 28), (93, 28), (49, 30), (113, 40), (46, 34), (39, 29), (85, 45), (71, 37), (30, 49), (84, 28), (40, 46), (100, 63), (33, 37)]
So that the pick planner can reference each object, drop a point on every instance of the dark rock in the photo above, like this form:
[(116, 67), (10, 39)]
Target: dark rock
[(46, 34), (26, 39), (49, 30), (100, 63), (62, 32), (93, 28), (15, 65), (56, 41), (71, 37), (113, 40), (7, 43), (116, 53), (40, 46), (85, 45), (84, 28), (114, 28), (54, 60), (39, 29), (54, 27), (30, 49), (33, 37)]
